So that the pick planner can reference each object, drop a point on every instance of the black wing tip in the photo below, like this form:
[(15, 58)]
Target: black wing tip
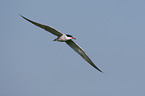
[(23, 17), (100, 70)]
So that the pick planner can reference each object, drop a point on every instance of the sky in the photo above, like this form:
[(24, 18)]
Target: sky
[(110, 31)]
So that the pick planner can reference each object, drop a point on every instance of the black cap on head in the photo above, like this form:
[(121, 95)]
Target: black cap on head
[(69, 35)]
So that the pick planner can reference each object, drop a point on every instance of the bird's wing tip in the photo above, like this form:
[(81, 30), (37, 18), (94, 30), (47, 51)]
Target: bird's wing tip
[(20, 15)]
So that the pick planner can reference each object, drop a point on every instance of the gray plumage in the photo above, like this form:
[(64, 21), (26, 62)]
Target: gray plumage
[(65, 38)]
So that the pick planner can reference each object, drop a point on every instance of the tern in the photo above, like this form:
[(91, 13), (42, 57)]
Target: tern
[(65, 38)]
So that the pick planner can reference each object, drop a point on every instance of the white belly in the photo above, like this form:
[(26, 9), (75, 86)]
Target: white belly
[(63, 38)]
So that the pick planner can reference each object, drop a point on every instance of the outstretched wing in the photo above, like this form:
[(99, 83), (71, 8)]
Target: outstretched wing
[(81, 52), (45, 27)]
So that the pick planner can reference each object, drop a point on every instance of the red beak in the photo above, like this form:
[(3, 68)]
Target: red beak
[(73, 38)]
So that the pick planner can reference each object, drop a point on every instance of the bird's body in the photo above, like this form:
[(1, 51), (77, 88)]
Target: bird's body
[(65, 38)]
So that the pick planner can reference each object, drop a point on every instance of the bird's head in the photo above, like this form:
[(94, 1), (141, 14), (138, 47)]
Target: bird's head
[(71, 37)]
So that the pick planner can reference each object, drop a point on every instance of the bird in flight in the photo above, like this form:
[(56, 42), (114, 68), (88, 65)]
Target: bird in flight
[(65, 38)]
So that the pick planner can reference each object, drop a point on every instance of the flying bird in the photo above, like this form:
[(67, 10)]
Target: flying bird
[(65, 38)]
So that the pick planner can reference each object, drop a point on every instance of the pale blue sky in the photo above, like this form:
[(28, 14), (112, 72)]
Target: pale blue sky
[(112, 32)]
